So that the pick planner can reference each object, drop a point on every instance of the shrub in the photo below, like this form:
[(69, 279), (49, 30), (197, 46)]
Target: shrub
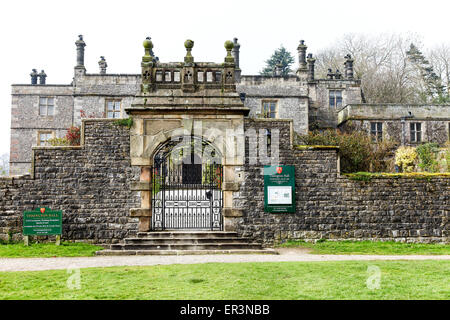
[(73, 135), (428, 157), (405, 158), (356, 149)]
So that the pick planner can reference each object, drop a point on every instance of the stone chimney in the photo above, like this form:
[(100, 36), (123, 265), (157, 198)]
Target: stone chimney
[(235, 53), (42, 77), (278, 69), (80, 54), (348, 66), (311, 61), (103, 65), (34, 76), (302, 55)]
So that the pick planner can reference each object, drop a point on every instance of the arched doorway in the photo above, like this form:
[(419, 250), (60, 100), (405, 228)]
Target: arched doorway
[(187, 185)]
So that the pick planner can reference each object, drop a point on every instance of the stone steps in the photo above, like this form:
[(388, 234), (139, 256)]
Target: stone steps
[(185, 242), (181, 252)]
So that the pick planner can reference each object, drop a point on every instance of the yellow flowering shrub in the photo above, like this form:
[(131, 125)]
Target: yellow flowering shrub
[(405, 158)]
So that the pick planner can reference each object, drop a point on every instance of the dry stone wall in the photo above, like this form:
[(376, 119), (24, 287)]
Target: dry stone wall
[(91, 184)]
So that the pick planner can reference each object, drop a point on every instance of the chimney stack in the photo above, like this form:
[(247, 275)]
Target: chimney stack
[(103, 65), (42, 77), (311, 62), (235, 53), (80, 54), (302, 55), (348, 66), (34, 76)]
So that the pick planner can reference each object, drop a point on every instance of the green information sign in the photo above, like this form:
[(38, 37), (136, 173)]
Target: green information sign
[(42, 222), (279, 189)]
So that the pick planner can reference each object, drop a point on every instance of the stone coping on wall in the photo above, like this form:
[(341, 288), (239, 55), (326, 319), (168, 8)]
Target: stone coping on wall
[(367, 176), (316, 147)]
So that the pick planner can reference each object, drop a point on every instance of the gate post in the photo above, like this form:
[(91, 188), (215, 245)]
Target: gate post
[(230, 185), (144, 213)]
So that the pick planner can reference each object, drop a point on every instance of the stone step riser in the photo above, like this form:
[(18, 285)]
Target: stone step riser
[(180, 252), (184, 241), (186, 246), (178, 235)]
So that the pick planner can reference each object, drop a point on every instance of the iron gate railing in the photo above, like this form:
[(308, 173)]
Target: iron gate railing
[(187, 196)]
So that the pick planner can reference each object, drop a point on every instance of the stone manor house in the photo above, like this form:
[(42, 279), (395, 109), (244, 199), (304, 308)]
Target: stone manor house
[(40, 111), (195, 153)]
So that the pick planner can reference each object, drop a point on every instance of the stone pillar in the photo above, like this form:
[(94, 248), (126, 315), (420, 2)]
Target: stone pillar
[(34, 76), (79, 68), (42, 77), (348, 67), (311, 62), (147, 65), (103, 65), (235, 53)]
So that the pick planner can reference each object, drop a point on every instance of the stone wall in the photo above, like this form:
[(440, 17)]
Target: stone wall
[(91, 184), (334, 207)]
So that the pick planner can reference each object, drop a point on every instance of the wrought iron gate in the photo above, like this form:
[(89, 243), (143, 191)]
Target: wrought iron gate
[(187, 195)]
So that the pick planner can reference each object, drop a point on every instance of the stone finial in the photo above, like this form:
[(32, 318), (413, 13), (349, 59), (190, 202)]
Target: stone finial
[(103, 65), (80, 51), (148, 46), (229, 45), (188, 44), (235, 51), (302, 55), (34, 76), (348, 66), (42, 76), (311, 61), (338, 74)]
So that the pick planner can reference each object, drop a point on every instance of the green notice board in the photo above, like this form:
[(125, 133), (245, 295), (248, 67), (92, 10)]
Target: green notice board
[(42, 222), (279, 189)]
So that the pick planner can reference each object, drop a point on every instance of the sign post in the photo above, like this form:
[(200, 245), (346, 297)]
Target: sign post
[(42, 222), (279, 189)]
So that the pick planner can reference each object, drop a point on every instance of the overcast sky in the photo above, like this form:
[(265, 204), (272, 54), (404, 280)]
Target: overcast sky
[(41, 33)]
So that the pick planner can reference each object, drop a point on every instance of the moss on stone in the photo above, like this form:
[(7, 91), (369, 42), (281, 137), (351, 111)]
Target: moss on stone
[(367, 176), (124, 122)]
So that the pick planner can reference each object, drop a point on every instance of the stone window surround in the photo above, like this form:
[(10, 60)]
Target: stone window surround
[(114, 111), (263, 110), (46, 105), (334, 91), (418, 134), (167, 76), (40, 132), (376, 130)]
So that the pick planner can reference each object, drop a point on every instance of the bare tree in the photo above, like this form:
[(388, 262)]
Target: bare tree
[(380, 62), (440, 59)]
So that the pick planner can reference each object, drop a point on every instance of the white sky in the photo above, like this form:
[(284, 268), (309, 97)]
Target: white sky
[(41, 33)]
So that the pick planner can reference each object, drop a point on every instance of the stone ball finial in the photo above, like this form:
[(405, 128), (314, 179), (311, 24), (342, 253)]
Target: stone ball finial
[(189, 44), (148, 44), (229, 45)]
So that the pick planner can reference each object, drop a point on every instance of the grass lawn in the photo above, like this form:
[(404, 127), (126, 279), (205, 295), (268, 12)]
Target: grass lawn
[(46, 250), (282, 280), (370, 247)]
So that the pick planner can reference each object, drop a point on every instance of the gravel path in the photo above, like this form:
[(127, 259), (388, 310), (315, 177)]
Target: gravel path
[(35, 264)]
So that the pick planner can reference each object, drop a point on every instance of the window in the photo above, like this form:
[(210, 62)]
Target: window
[(415, 131), (113, 109), (269, 109), (335, 98), (376, 131), (43, 137), (46, 106)]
